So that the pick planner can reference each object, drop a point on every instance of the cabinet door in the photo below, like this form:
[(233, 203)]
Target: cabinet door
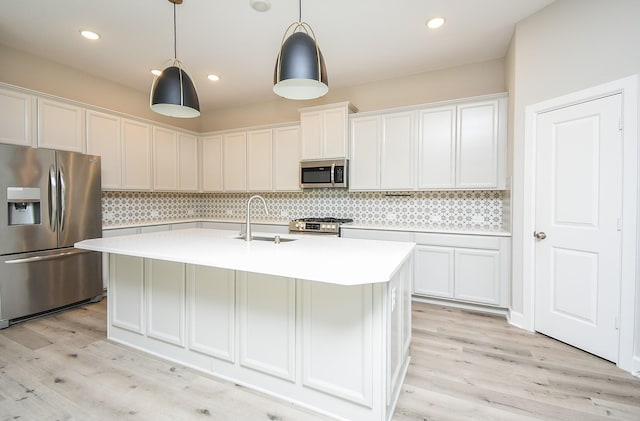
[(60, 126), (16, 118), (364, 165), (436, 148), (165, 290), (286, 158), (136, 155), (477, 145), (165, 159), (235, 155), (477, 275), (433, 271), (335, 133), (397, 151), (311, 124), (212, 167), (187, 162), (259, 160), (103, 138)]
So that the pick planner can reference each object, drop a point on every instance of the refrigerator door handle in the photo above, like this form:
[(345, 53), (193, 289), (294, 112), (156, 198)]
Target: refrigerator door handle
[(53, 198), (47, 257), (63, 198)]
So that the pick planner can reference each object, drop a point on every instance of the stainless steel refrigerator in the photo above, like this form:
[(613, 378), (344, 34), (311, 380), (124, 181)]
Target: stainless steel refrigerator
[(49, 200)]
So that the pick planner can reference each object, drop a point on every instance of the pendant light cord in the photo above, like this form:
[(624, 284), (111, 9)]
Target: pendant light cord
[(299, 10), (175, 48)]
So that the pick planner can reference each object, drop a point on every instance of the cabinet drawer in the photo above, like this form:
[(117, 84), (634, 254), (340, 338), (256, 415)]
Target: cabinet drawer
[(454, 240)]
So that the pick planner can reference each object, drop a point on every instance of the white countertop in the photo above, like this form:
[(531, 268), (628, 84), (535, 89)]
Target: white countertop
[(341, 261)]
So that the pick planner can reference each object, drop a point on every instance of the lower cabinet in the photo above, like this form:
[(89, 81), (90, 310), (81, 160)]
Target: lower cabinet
[(459, 267), (469, 268)]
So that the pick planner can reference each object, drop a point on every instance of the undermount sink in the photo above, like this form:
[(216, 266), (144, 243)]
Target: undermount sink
[(273, 239)]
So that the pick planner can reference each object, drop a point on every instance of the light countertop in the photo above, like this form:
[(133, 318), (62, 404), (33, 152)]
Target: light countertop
[(341, 261)]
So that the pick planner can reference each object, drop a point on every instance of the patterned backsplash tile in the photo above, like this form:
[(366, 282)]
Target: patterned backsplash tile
[(457, 209)]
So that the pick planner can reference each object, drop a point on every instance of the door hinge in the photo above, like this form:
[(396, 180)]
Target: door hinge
[(617, 323), (620, 126), (619, 224)]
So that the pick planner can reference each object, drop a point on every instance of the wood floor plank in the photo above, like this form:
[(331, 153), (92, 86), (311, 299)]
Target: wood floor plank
[(465, 366)]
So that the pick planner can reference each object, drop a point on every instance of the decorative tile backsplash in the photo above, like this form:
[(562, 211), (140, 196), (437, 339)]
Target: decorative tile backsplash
[(456, 209)]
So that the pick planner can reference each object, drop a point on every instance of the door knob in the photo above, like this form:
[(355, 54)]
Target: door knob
[(540, 235)]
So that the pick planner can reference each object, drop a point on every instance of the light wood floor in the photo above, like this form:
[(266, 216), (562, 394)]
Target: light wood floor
[(465, 365)]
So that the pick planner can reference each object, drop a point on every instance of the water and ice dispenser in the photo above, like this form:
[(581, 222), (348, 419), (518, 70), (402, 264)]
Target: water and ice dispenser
[(23, 205)]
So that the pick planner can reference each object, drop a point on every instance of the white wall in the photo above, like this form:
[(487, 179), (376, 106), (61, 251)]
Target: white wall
[(569, 46)]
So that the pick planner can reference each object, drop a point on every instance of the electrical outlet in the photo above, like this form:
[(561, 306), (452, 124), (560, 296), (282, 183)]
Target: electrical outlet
[(284, 214), (154, 214), (107, 215), (191, 212), (393, 299), (228, 212), (390, 217)]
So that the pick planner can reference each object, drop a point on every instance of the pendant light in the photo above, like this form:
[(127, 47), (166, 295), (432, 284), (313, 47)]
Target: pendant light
[(172, 92), (300, 70)]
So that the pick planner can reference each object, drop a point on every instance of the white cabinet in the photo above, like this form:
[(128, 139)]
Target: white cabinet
[(136, 155), (165, 163), (234, 161), (324, 131), (468, 268), (286, 158), (103, 139), (175, 160), (463, 146), (382, 152), (437, 148), (259, 160), (212, 163), (60, 125), (16, 118), (397, 151), (188, 162)]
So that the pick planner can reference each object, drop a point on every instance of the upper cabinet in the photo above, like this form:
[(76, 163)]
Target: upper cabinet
[(234, 161), (211, 163), (136, 155), (463, 146), (16, 122), (458, 146), (60, 125), (259, 160), (175, 159), (286, 158), (382, 152), (325, 131), (103, 138)]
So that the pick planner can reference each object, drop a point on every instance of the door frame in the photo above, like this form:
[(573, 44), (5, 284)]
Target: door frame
[(628, 87)]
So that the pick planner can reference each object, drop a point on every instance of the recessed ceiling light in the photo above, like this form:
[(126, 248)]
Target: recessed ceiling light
[(260, 5), (89, 35), (213, 77), (436, 22), (156, 72)]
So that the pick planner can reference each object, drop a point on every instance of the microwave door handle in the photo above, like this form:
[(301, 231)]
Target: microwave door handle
[(63, 197), (53, 198), (333, 174)]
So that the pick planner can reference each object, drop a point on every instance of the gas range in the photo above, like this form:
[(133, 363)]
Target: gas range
[(318, 225)]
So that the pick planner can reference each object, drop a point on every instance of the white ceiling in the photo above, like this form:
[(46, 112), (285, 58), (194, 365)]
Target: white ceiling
[(361, 40)]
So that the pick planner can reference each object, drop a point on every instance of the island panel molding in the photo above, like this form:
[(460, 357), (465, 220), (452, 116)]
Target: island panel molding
[(332, 340)]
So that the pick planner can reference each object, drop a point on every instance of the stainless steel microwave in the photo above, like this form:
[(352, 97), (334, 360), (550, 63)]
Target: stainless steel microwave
[(325, 173)]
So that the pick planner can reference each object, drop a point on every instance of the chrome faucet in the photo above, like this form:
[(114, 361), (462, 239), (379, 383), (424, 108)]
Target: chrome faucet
[(247, 233)]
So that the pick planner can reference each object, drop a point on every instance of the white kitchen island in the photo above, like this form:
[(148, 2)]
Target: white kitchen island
[(323, 322)]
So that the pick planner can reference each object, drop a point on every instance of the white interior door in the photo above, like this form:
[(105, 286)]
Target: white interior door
[(578, 225)]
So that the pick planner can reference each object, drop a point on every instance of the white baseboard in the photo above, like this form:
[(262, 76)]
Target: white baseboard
[(457, 304)]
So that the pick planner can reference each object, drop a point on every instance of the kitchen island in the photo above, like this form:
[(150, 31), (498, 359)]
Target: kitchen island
[(322, 322)]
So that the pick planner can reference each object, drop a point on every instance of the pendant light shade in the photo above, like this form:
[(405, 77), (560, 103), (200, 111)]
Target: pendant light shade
[(173, 93), (300, 71)]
